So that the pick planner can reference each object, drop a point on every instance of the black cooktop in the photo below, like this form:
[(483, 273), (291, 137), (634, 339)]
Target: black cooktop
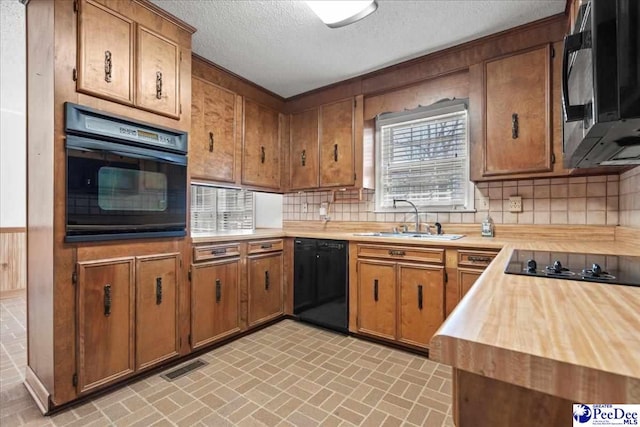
[(613, 269)]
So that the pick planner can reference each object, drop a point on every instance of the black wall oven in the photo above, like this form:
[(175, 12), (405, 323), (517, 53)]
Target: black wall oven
[(125, 179)]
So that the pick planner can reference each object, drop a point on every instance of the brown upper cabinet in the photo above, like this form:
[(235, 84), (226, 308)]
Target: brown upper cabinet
[(324, 146), (337, 168), (123, 61), (212, 147), (158, 74), (517, 113), (261, 146), (105, 53), (304, 149)]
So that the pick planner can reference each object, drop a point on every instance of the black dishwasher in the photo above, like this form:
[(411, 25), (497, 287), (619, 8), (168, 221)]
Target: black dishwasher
[(320, 284)]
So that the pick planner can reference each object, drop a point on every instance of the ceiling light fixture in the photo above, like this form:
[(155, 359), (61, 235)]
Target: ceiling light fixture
[(340, 13)]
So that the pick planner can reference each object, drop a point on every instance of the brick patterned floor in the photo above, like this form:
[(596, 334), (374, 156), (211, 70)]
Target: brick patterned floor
[(287, 374)]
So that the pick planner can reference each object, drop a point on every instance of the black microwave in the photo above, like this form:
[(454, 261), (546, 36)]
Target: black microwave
[(601, 85), (125, 179)]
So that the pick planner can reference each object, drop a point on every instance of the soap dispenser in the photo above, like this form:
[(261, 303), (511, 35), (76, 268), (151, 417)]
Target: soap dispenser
[(487, 227)]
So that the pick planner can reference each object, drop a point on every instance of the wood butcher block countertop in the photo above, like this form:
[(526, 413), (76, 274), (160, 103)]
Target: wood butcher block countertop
[(575, 340)]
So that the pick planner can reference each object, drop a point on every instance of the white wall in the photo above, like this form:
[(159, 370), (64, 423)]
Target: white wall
[(12, 114), (268, 210)]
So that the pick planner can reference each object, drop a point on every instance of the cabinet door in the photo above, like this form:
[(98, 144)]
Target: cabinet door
[(377, 298), (105, 322), (421, 303), (304, 149), (466, 279), (156, 309), (105, 53), (337, 166), (214, 301), (265, 287), (261, 146), (212, 146), (518, 119), (158, 81)]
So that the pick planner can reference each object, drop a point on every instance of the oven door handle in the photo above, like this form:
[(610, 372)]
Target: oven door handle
[(86, 144)]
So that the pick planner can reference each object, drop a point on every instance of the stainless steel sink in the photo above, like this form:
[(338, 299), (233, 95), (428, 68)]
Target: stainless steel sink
[(421, 236)]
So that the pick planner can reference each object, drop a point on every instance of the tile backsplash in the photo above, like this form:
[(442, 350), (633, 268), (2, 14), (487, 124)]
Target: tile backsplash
[(630, 198), (590, 200)]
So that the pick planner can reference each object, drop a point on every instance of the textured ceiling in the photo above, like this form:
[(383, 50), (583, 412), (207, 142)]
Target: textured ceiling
[(284, 47)]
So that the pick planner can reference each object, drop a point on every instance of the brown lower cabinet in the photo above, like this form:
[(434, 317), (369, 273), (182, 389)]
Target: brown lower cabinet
[(400, 300), (215, 301), (157, 336), (470, 265), (106, 321), (264, 278), (127, 316)]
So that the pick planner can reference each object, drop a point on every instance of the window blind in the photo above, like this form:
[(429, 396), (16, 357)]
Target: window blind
[(221, 209), (424, 159)]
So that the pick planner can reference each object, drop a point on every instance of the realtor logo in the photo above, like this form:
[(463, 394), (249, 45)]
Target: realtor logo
[(581, 413), (605, 415)]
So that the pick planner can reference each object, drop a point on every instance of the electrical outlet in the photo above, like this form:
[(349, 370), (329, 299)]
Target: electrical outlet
[(515, 204), (305, 207)]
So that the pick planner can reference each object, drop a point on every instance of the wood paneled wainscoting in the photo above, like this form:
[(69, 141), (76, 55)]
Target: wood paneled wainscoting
[(13, 266)]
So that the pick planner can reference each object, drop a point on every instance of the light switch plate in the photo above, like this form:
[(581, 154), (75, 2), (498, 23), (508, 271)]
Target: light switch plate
[(515, 204)]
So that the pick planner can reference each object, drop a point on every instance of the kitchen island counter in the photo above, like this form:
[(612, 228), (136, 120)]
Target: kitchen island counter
[(577, 341)]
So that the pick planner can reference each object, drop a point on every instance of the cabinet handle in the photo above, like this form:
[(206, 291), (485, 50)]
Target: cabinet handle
[(211, 142), (266, 246), (514, 126), (335, 152), (107, 66), (220, 251), (420, 297), (266, 280), (262, 154), (218, 290), (159, 84), (479, 259), (397, 253), (375, 289), (158, 290), (107, 300), (303, 157)]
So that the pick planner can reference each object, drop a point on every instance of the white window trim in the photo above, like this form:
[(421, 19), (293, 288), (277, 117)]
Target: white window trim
[(439, 109)]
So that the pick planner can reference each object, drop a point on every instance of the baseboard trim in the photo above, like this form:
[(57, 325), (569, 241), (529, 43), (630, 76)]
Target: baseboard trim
[(37, 390)]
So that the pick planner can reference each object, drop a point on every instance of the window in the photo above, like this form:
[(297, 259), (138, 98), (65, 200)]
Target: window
[(221, 209), (424, 158)]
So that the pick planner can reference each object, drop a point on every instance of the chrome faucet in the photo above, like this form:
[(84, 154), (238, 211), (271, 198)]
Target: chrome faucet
[(414, 208)]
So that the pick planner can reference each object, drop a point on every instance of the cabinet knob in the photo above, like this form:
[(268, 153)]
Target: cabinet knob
[(262, 154), (303, 157), (211, 142), (419, 297), (375, 290), (107, 66), (107, 299), (218, 290), (159, 84), (335, 152), (158, 290), (514, 126), (266, 280)]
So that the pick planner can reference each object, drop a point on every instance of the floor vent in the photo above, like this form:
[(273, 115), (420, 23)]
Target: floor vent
[(183, 370)]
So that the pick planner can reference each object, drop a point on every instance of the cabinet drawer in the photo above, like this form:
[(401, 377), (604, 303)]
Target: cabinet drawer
[(204, 253), (407, 253), (475, 258), (265, 246)]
